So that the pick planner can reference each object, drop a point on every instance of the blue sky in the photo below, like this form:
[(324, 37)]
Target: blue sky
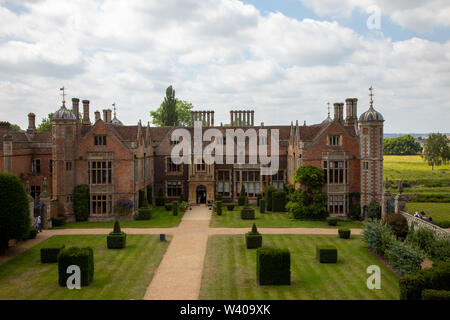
[(284, 59)]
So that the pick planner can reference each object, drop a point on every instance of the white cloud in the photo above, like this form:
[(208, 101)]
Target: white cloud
[(219, 55)]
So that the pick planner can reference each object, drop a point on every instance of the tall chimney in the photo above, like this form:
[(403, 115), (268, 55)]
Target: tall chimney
[(31, 123), (108, 115), (7, 153), (86, 112), (76, 107), (105, 116), (351, 111), (97, 115), (212, 118), (338, 111)]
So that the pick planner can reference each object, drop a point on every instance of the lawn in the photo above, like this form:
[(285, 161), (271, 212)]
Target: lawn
[(415, 170), (119, 274), (232, 219), (440, 212), (160, 219), (230, 271)]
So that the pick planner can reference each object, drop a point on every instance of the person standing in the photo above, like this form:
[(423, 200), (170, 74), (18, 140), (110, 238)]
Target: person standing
[(39, 223)]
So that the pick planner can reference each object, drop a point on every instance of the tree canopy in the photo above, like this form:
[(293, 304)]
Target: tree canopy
[(404, 145), (172, 112), (46, 124), (436, 150), (15, 128)]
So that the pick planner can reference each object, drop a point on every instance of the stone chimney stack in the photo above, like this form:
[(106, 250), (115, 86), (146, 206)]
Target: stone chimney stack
[(351, 111), (108, 115), (206, 117), (7, 153), (97, 115), (105, 116), (86, 112), (76, 107), (31, 123), (338, 111)]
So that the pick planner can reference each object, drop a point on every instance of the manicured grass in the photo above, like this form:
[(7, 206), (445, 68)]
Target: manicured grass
[(414, 170), (232, 219), (119, 274), (440, 212), (230, 271), (160, 219)]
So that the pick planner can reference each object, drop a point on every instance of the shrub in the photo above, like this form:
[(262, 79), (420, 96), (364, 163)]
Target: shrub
[(15, 220), (81, 202), (443, 224), (142, 198), (149, 194), (258, 198), (144, 213), (219, 208), (242, 196), (81, 257), (377, 236), (355, 213), (440, 250), (374, 210), (247, 213), (430, 294), (33, 233), (422, 239), (117, 238), (411, 287), (219, 197), (183, 206), (344, 233), (58, 221), (253, 239), (230, 207), (398, 224), (262, 205), (273, 266), (50, 255), (168, 206), (332, 221), (404, 259), (279, 200), (269, 190), (160, 199), (315, 211), (175, 208), (326, 254)]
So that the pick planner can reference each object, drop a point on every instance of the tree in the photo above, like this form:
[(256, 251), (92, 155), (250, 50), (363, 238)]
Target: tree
[(15, 128), (374, 210), (183, 109), (166, 114), (46, 124), (15, 220), (404, 145), (436, 150)]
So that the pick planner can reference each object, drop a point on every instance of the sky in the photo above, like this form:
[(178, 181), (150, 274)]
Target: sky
[(285, 59)]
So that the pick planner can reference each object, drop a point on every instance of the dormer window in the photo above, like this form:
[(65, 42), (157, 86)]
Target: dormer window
[(334, 140), (100, 140)]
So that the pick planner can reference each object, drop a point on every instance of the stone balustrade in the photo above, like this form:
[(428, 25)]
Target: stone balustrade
[(420, 223)]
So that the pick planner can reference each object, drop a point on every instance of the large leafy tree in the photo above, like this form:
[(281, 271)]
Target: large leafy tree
[(46, 124), (436, 150), (16, 128), (15, 219), (167, 115), (404, 145)]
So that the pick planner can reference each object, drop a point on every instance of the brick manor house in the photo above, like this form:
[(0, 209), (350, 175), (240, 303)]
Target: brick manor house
[(117, 160)]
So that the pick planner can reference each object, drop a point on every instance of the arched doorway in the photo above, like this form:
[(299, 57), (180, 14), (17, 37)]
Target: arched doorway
[(201, 194)]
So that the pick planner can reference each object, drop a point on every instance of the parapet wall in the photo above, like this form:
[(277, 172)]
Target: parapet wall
[(420, 223)]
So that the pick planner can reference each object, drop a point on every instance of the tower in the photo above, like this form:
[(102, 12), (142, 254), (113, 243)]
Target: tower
[(64, 130), (371, 152)]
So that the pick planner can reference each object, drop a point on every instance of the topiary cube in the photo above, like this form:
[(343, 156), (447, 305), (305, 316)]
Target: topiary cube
[(262, 205), (326, 254), (332, 221), (247, 213), (253, 239), (344, 233), (279, 201), (144, 213), (431, 294), (116, 240), (81, 257), (273, 266), (50, 255), (230, 207)]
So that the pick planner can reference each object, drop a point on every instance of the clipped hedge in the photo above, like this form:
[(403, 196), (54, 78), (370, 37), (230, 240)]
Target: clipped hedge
[(219, 207), (344, 233), (160, 199), (430, 294), (262, 206), (149, 194), (269, 190), (81, 202), (50, 254), (253, 239), (58, 221), (33, 233), (230, 207), (273, 266), (81, 257), (144, 213), (116, 240), (247, 213), (326, 254), (258, 198), (279, 201), (168, 206), (175, 208), (332, 221)]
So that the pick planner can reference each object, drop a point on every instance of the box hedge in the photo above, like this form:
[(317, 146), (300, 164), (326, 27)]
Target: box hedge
[(273, 266), (58, 221), (344, 233), (116, 239), (144, 213), (279, 201), (268, 197), (253, 239), (332, 221), (33, 233), (326, 254), (230, 207), (262, 206), (81, 257), (219, 207), (430, 294), (247, 213), (81, 201), (168, 206), (50, 254), (175, 208)]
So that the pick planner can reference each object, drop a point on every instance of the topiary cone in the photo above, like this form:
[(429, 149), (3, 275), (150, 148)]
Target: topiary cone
[(117, 227), (254, 229)]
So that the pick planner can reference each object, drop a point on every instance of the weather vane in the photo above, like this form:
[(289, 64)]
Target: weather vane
[(328, 108), (63, 94), (114, 108), (371, 95)]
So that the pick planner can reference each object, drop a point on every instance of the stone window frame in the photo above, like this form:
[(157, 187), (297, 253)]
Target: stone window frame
[(336, 200), (335, 140), (223, 182), (180, 166), (100, 140), (109, 172), (69, 166), (179, 182), (329, 165), (109, 198)]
